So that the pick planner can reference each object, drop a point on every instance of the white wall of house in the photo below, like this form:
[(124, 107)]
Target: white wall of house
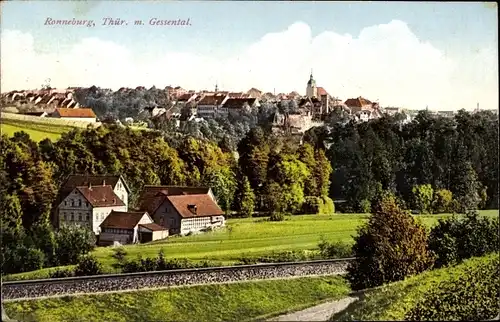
[(75, 210), (199, 223), (100, 213), (121, 192), (205, 111)]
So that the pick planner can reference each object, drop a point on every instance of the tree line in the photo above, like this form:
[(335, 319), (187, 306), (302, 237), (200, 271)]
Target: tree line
[(432, 164)]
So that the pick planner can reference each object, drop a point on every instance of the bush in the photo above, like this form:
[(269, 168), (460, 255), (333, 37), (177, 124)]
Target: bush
[(442, 201), (390, 247), (277, 216), (119, 254), (159, 263), (334, 249), (312, 205), (327, 206), (59, 273), (472, 295), (365, 206), (22, 259), (453, 240), (87, 266)]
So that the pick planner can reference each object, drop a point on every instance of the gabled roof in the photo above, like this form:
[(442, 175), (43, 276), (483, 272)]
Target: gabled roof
[(212, 100), (321, 91), (357, 102), (238, 103), (101, 196), (153, 196), (75, 180), (76, 112), (123, 220), (185, 97), (204, 204)]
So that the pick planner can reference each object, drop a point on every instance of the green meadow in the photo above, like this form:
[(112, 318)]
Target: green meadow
[(246, 237)]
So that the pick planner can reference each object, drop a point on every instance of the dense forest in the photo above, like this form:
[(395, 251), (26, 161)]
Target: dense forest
[(432, 164)]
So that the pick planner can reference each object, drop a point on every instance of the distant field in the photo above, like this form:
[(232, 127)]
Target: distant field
[(247, 301), (250, 236), (36, 131)]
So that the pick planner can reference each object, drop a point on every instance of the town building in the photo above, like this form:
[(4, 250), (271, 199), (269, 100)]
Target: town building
[(75, 114), (319, 94), (207, 107)]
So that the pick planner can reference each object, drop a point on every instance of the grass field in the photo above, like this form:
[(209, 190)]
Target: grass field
[(36, 131), (247, 301), (393, 301), (242, 237)]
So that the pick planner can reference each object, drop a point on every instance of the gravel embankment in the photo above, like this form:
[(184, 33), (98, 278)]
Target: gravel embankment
[(99, 284)]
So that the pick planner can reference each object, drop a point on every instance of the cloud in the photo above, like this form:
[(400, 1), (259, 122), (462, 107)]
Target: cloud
[(385, 62)]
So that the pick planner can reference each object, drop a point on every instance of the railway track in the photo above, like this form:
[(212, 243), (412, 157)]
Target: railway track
[(29, 289)]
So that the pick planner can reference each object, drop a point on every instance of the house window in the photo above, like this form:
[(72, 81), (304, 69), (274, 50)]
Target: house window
[(79, 202), (87, 217), (87, 204), (72, 217), (72, 203), (79, 217), (65, 203)]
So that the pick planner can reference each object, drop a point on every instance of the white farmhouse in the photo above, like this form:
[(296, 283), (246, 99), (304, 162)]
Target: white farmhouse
[(68, 196), (88, 206)]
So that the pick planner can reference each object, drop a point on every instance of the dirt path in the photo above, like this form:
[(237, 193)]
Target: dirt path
[(320, 312)]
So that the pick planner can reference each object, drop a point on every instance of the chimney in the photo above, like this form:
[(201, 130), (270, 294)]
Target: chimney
[(90, 186), (114, 201), (103, 183)]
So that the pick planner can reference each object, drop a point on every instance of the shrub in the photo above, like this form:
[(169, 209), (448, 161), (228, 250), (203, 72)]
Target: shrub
[(442, 201), (277, 216), (119, 254), (453, 239), (312, 205), (88, 265), (422, 198), (365, 206), (59, 273), (334, 249), (327, 206), (472, 295), (390, 247)]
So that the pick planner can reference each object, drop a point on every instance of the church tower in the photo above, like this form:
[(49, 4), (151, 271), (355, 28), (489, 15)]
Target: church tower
[(311, 90)]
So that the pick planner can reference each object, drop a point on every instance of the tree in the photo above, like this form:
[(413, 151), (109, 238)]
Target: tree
[(455, 239), (72, 243), (422, 198), (443, 201), (245, 198), (390, 247)]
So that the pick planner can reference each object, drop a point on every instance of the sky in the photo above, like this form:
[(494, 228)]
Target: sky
[(440, 55)]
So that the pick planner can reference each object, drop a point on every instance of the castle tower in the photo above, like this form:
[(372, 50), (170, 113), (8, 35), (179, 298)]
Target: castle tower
[(311, 90)]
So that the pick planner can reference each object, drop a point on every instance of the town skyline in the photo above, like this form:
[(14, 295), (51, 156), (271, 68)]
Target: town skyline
[(437, 63)]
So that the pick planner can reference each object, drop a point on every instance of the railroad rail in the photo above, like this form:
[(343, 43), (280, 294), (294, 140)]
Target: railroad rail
[(55, 287)]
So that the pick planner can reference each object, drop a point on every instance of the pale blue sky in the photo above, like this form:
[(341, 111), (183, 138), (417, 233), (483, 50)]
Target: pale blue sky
[(226, 29)]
